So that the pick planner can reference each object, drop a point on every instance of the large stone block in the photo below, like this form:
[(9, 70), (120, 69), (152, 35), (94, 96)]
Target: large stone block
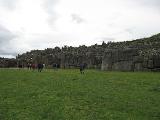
[(150, 64), (156, 61), (138, 67), (123, 66), (106, 65)]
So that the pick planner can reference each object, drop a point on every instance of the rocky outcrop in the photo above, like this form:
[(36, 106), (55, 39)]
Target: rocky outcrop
[(66, 57), (138, 55), (119, 59), (122, 60), (6, 63)]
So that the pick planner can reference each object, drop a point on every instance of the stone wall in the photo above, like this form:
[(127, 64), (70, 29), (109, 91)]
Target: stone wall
[(7, 63), (121, 60), (138, 55), (66, 57)]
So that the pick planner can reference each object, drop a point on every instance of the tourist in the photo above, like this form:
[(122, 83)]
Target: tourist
[(40, 67), (82, 68)]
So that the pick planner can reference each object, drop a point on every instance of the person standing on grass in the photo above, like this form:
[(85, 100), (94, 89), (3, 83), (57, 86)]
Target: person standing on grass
[(44, 65), (55, 66), (82, 68), (28, 66), (33, 67), (40, 67), (20, 66)]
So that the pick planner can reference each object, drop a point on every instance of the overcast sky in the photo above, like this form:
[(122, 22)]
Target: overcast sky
[(40, 24)]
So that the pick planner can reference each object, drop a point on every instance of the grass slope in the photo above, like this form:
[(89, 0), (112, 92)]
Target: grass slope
[(67, 95)]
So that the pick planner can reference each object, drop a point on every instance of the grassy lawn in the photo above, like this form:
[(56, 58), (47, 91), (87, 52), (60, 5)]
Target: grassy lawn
[(68, 95)]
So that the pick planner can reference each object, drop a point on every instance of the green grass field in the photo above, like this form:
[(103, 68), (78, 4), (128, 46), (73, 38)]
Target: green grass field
[(68, 95)]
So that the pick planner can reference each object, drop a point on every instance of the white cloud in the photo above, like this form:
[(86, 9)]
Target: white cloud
[(49, 7), (8, 4), (77, 19), (6, 38)]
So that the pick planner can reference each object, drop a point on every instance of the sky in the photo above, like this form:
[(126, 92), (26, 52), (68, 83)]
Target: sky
[(38, 24)]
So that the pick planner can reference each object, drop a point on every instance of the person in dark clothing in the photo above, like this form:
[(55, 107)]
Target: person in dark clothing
[(40, 67), (20, 66), (28, 66), (55, 66), (82, 68)]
